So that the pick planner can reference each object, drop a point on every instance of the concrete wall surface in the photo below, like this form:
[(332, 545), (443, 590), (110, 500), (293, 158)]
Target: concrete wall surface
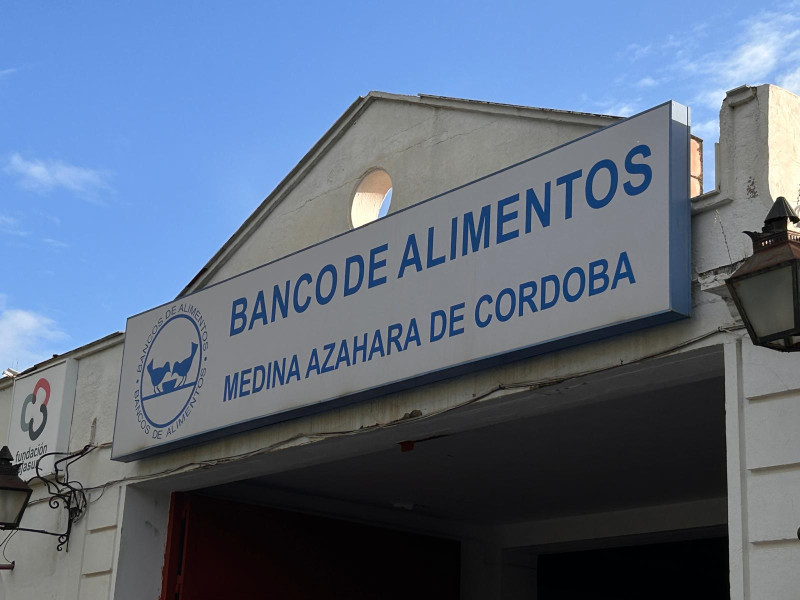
[(758, 155), (763, 391), (117, 548)]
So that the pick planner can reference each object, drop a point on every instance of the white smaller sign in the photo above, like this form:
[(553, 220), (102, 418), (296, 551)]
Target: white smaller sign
[(41, 416)]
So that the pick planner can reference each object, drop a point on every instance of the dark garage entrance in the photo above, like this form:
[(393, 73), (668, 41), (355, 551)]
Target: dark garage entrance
[(608, 486), (219, 549), (695, 568)]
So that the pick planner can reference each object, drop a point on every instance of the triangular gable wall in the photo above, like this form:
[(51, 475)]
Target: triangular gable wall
[(427, 144)]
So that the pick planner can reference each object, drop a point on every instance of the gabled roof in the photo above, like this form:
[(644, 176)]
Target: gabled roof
[(329, 139)]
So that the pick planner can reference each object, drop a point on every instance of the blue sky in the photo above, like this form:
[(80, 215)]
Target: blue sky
[(136, 137)]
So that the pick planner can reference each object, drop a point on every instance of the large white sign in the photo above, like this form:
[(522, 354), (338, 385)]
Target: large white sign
[(41, 416), (587, 240)]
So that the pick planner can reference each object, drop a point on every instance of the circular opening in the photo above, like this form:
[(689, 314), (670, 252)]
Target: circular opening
[(372, 198)]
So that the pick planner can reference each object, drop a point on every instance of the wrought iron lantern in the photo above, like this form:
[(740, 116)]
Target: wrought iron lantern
[(766, 288), (14, 493)]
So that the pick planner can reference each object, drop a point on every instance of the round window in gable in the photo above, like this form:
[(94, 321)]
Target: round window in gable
[(372, 198)]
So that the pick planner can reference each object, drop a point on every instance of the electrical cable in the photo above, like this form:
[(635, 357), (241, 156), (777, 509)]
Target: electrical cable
[(313, 437)]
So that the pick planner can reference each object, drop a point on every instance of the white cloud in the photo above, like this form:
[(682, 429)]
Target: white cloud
[(791, 81), (751, 62), (712, 97), (637, 51), (764, 47), (26, 337), (4, 72), (46, 175), (767, 45), (708, 130), (55, 243), (647, 82), (55, 220), (10, 225), (621, 109)]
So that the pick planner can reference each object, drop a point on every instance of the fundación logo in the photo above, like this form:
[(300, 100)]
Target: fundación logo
[(170, 371), (33, 422), (26, 420)]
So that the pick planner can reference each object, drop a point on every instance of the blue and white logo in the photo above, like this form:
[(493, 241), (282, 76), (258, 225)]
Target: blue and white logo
[(171, 372)]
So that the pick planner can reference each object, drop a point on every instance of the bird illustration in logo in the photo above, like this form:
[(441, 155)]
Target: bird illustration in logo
[(181, 368), (157, 374)]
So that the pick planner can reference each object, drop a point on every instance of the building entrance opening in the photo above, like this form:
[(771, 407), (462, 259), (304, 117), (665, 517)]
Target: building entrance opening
[(614, 483), (222, 549)]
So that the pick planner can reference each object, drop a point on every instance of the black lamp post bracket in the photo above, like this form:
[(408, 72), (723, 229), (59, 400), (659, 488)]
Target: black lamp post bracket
[(63, 492)]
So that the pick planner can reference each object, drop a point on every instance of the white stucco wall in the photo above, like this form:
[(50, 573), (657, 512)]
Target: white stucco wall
[(758, 145), (427, 149), (764, 392)]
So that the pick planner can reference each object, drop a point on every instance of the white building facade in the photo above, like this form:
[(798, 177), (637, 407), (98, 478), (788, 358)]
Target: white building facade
[(669, 449)]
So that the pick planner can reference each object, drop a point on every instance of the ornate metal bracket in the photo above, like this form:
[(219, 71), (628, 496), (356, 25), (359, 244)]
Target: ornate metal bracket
[(63, 492)]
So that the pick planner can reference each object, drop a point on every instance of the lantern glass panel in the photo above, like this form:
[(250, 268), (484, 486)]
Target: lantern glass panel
[(768, 300), (12, 503)]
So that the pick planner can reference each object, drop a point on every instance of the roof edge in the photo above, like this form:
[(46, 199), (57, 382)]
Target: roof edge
[(93, 347), (547, 114), (286, 185)]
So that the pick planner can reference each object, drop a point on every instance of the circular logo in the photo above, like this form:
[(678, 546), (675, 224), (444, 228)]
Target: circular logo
[(171, 371)]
